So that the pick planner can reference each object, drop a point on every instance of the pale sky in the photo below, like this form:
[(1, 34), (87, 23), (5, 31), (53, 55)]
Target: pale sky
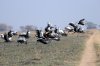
[(39, 12)]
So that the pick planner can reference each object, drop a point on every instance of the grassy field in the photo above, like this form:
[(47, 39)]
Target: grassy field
[(97, 48), (66, 52)]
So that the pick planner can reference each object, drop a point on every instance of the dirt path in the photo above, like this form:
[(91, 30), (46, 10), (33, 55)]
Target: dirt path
[(89, 55)]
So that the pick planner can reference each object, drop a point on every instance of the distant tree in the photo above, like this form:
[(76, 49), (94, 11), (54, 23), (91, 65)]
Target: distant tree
[(28, 27), (10, 27), (91, 25), (22, 28), (5, 27), (99, 26)]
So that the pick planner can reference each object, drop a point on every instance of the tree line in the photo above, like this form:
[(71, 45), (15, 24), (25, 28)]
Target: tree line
[(6, 27)]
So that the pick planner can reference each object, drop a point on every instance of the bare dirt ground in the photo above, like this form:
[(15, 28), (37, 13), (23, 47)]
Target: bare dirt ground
[(89, 54)]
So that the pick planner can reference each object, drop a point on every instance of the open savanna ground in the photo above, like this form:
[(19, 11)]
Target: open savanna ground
[(66, 52), (97, 47), (91, 53)]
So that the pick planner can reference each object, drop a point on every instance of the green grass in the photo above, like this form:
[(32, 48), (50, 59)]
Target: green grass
[(97, 48), (66, 52)]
